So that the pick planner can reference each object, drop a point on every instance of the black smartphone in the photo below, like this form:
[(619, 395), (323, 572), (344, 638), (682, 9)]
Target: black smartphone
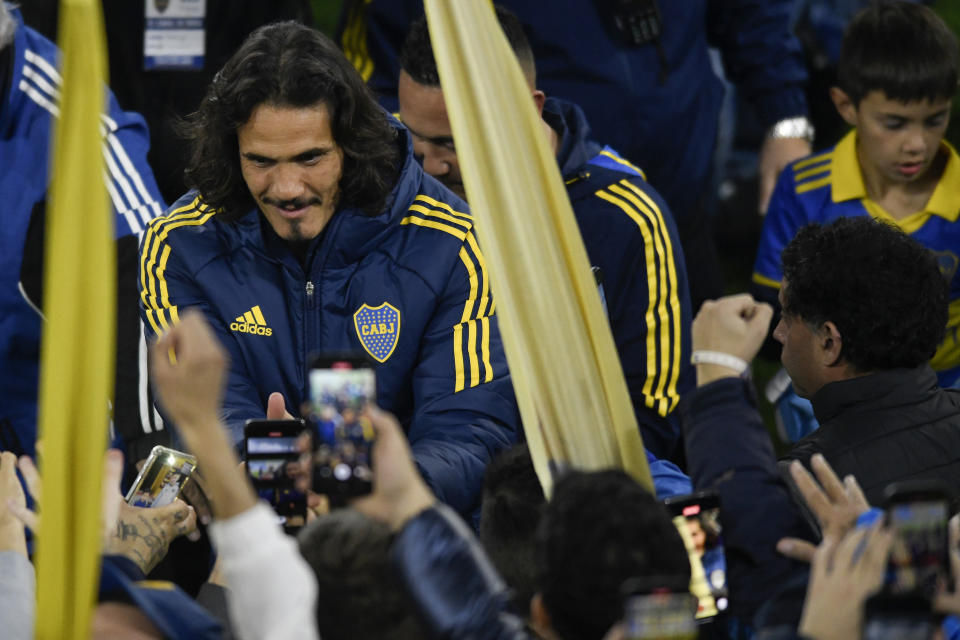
[(918, 513), (341, 387), (270, 448), (901, 617), (697, 518), (658, 608)]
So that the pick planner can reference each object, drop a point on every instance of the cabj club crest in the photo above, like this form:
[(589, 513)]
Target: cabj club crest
[(378, 329), (161, 5)]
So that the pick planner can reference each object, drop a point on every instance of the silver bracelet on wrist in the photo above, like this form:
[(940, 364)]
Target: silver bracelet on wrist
[(719, 358)]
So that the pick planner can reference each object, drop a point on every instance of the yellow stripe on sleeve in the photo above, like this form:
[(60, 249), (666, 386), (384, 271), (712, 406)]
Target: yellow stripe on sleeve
[(814, 184), (667, 290), (458, 382), (443, 205), (472, 353), (485, 294), (474, 286), (624, 162), (650, 317), (672, 394), (433, 224), (806, 162), (485, 348), (765, 281), (443, 216)]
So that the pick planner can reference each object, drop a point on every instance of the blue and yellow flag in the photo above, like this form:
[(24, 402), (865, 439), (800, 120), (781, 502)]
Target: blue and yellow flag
[(77, 359), (570, 387)]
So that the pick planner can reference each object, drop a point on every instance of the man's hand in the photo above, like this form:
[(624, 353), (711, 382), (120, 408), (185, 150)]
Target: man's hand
[(735, 325), (144, 535), (836, 505), (277, 407), (12, 537), (399, 493), (189, 368), (843, 574), (775, 154)]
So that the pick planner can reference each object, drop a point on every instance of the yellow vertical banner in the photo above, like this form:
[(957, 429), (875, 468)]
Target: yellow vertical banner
[(77, 354), (570, 387)]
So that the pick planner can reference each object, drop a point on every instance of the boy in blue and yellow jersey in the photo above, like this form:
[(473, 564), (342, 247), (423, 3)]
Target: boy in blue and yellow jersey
[(627, 229), (897, 76)]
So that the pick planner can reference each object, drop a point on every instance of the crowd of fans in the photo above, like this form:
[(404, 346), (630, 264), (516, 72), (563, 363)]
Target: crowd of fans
[(319, 221)]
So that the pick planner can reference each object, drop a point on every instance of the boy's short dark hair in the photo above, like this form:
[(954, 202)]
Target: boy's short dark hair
[(599, 530), (902, 49), (513, 503), (416, 54), (359, 591), (882, 289)]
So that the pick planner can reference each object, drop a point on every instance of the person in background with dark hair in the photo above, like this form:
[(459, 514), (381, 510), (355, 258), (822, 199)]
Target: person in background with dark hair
[(599, 530), (864, 308), (642, 71), (627, 228), (312, 228), (897, 77), (359, 594)]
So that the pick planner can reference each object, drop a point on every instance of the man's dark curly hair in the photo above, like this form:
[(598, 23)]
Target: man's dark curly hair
[(416, 54), (599, 530), (360, 594), (287, 64), (882, 289)]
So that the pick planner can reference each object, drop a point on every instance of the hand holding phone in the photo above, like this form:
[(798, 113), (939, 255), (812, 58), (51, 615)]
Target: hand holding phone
[(162, 478)]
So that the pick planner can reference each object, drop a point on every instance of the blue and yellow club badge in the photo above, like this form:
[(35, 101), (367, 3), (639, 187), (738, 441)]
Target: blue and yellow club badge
[(378, 329)]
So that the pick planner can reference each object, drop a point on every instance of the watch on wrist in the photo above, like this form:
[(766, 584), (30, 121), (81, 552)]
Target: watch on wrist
[(796, 127)]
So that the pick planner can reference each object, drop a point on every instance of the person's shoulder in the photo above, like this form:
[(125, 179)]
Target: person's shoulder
[(189, 221), (620, 203)]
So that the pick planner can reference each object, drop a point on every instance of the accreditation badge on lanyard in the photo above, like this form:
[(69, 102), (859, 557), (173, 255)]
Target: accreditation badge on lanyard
[(175, 34)]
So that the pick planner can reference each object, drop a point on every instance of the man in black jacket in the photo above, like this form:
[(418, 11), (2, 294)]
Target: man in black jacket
[(864, 308)]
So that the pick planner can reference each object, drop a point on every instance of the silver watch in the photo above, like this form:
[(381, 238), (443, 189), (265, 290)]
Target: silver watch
[(797, 127)]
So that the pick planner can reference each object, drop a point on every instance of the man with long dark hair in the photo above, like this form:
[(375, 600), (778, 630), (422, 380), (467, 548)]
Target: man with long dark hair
[(310, 227)]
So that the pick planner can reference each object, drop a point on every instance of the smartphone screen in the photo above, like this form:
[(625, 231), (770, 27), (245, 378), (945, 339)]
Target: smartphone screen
[(697, 518), (919, 558), (660, 616), (341, 386), (889, 617), (162, 478), (270, 448)]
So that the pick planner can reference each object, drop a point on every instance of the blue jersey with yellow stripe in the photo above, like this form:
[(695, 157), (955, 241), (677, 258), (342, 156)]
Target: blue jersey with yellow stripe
[(829, 185), (408, 286), (630, 236)]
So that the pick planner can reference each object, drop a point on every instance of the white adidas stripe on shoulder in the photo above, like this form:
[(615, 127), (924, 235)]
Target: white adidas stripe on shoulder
[(44, 89)]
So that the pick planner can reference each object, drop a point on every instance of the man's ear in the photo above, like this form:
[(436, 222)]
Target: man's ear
[(540, 617), (539, 98), (845, 105), (831, 344)]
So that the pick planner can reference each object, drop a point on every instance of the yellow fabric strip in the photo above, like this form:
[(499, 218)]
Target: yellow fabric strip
[(564, 366), (78, 349), (803, 175), (474, 286), (485, 293), (472, 353), (485, 348)]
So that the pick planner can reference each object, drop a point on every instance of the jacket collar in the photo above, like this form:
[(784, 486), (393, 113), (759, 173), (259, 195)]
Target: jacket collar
[(350, 234), (574, 147), (847, 180), (894, 387)]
